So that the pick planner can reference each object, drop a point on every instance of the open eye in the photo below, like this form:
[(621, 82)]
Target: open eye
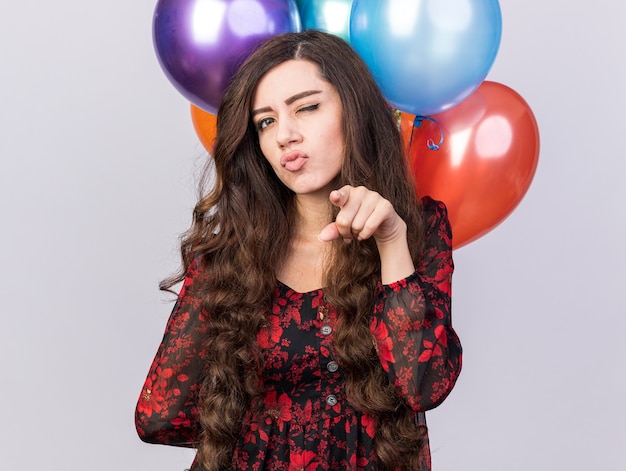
[(264, 123)]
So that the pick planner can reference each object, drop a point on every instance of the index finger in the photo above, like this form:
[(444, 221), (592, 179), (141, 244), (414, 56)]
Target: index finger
[(340, 197)]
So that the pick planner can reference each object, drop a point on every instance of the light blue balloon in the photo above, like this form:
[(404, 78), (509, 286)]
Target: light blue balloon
[(331, 16), (427, 55)]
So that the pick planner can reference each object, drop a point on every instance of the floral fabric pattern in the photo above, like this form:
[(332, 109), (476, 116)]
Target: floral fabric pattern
[(307, 422)]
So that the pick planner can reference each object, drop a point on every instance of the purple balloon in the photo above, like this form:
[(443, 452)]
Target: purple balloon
[(200, 44)]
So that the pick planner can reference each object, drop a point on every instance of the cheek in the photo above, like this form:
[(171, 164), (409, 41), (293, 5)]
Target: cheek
[(338, 132), (273, 161), (265, 148)]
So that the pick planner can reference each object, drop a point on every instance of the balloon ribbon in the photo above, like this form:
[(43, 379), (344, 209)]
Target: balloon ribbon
[(417, 122)]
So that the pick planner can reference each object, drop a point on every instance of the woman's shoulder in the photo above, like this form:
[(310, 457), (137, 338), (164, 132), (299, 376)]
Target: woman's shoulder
[(433, 208), (437, 227), (430, 203)]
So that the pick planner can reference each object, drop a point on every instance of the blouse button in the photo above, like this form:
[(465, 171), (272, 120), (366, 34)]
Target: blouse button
[(326, 330), (331, 400), (332, 366)]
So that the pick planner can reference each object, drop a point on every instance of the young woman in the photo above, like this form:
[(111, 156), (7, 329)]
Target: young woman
[(313, 326)]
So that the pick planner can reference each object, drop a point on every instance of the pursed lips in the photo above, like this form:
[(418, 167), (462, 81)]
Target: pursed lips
[(294, 160)]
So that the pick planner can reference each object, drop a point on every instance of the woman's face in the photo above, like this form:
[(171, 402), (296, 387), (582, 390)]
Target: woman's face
[(299, 119)]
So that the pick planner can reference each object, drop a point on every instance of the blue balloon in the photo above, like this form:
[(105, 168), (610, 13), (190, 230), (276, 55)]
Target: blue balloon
[(331, 16), (426, 55)]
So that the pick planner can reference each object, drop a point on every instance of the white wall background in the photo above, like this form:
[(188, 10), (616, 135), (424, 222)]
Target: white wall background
[(98, 157)]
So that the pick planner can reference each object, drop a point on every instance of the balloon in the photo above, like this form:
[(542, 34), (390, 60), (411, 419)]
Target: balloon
[(205, 125), (200, 44), (426, 55), (331, 16), (486, 162)]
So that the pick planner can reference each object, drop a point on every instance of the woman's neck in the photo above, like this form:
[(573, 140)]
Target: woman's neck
[(312, 215), (302, 269)]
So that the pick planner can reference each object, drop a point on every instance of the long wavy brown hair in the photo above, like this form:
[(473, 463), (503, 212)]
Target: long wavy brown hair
[(243, 222)]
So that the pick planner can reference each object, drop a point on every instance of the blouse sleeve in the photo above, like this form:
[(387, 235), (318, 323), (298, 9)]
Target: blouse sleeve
[(411, 322), (166, 411)]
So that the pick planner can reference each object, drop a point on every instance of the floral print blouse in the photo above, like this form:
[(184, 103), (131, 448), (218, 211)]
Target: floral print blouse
[(308, 422)]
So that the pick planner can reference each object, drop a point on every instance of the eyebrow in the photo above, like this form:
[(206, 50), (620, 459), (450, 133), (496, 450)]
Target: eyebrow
[(288, 101)]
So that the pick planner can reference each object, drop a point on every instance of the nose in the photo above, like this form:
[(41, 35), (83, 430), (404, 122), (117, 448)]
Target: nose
[(288, 132)]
